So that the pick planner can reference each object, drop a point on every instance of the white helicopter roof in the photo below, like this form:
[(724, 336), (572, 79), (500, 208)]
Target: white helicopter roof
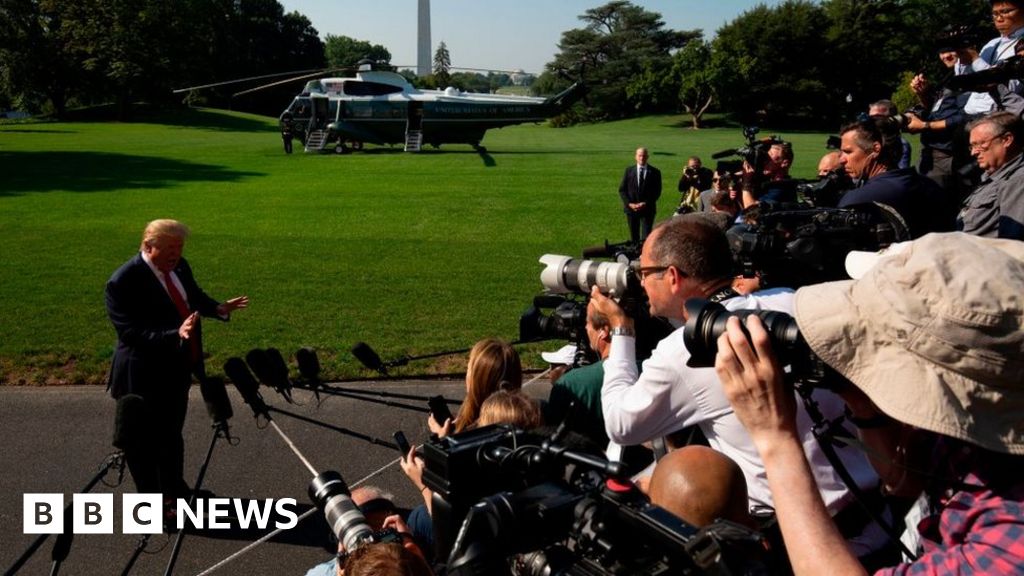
[(334, 87)]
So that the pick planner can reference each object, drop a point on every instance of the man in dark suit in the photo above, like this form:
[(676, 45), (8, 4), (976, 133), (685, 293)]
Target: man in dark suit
[(154, 304), (640, 190)]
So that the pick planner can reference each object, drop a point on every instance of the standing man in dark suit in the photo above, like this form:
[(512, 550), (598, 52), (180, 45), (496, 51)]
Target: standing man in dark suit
[(154, 304), (640, 190)]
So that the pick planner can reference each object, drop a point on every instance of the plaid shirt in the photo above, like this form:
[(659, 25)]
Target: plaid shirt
[(978, 527)]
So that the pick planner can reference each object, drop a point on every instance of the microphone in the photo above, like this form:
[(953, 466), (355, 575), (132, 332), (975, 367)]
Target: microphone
[(130, 422), (309, 364), (280, 380), (598, 251), (368, 357), (548, 300), (215, 396), (247, 386), (259, 362), (725, 153)]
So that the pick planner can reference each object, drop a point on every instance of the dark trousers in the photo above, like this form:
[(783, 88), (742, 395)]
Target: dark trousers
[(640, 225), (156, 461)]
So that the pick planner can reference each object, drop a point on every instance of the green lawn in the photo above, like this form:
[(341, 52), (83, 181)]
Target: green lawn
[(412, 253)]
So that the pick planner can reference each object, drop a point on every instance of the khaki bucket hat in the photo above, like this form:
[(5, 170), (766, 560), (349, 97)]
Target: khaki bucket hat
[(933, 334)]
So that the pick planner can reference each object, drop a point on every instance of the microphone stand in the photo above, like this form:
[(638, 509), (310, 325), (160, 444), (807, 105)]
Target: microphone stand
[(367, 396), (220, 430), (346, 431), (62, 546)]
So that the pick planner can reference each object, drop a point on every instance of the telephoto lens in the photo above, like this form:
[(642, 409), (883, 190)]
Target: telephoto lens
[(330, 494), (564, 275), (707, 321)]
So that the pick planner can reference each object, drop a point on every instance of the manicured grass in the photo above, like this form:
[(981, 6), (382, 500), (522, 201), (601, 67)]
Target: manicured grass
[(413, 253)]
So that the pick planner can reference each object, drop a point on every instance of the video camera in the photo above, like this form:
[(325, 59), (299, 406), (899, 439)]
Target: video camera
[(754, 152), (795, 245), (826, 191), (501, 494)]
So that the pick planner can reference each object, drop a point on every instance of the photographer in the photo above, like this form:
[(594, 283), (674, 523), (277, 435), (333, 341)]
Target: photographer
[(996, 208), (870, 151), (1008, 19), (694, 180), (686, 258), (932, 340), (940, 126), (887, 109)]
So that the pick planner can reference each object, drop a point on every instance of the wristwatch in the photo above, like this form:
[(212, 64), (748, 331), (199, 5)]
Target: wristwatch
[(622, 331)]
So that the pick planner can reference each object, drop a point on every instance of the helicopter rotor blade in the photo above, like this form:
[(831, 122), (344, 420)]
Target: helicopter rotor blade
[(287, 80), (251, 78)]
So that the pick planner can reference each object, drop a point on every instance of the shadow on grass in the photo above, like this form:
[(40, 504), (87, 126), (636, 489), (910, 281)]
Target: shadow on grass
[(6, 130), (27, 172), (198, 118)]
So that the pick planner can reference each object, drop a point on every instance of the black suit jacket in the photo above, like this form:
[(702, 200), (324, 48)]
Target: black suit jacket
[(649, 191), (150, 356)]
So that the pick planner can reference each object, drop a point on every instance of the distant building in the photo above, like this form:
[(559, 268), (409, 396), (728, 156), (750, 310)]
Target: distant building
[(520, 78)]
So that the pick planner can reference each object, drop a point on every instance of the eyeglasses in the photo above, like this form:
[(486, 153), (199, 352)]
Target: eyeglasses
[(1003, 13), (644, 271), (985, 145)]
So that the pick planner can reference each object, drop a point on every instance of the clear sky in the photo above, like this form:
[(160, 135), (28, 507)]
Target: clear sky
[(493, 34)]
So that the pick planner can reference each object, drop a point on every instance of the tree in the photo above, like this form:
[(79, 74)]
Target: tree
[(694, 71), (344, 52), (622, 50), (442, 66)]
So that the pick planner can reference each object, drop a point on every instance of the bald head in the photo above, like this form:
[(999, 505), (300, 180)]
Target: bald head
[(699, 484), (828, 163)]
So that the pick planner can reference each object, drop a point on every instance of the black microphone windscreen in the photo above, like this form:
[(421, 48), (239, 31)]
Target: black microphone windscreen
[(278, 370), (367, 356), (548, 300), (309, 364), (215, 395), (247, 386), (259, 362), (130, 421), (724, 153)]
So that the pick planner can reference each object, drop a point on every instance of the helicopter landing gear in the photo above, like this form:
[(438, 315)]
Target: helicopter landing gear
[(341, 148), (357, 145)]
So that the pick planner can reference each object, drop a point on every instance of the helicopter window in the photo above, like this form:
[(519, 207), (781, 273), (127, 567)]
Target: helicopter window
[(370, 89)]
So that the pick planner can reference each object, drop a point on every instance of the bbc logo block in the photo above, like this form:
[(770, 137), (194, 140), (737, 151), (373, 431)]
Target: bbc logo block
[(91, 514)]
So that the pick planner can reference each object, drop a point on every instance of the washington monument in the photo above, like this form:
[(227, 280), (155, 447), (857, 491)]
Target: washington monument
[(423, 55)]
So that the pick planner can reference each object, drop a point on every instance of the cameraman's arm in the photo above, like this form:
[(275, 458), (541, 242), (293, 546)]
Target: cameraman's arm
[(752, 380)]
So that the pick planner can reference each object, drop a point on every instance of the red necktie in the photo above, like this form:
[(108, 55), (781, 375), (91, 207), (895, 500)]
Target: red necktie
[(179, 303)]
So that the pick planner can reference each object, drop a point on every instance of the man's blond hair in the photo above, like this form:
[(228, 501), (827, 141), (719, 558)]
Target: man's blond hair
[(163, 228)]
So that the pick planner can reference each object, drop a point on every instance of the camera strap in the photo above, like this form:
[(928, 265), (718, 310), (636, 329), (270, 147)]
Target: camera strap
[(722, 295)]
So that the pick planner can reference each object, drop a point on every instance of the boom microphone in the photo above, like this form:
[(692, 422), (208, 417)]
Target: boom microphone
[(368, 357), (130, 421), (247, 386), (725, 153), (215, 395)]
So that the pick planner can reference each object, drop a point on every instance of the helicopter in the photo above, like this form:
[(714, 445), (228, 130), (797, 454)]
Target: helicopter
[(380, 106)]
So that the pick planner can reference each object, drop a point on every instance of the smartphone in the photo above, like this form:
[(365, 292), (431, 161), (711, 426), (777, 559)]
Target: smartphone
[(403, 443), (439, 409)]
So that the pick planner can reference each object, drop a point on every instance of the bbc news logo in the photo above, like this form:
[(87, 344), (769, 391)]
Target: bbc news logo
[(143, 513)]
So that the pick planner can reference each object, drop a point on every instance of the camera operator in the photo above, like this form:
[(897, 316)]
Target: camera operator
[(686, 258), (693, 182), (932, 340), (996, 207), (773, 184), (1009, 22), (887, 109), (940, 126), (870, 151), (829, 162)]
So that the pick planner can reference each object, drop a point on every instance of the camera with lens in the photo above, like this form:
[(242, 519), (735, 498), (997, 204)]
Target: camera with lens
[(331, 495), (508, 502), (826, 191), (793, 245)]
